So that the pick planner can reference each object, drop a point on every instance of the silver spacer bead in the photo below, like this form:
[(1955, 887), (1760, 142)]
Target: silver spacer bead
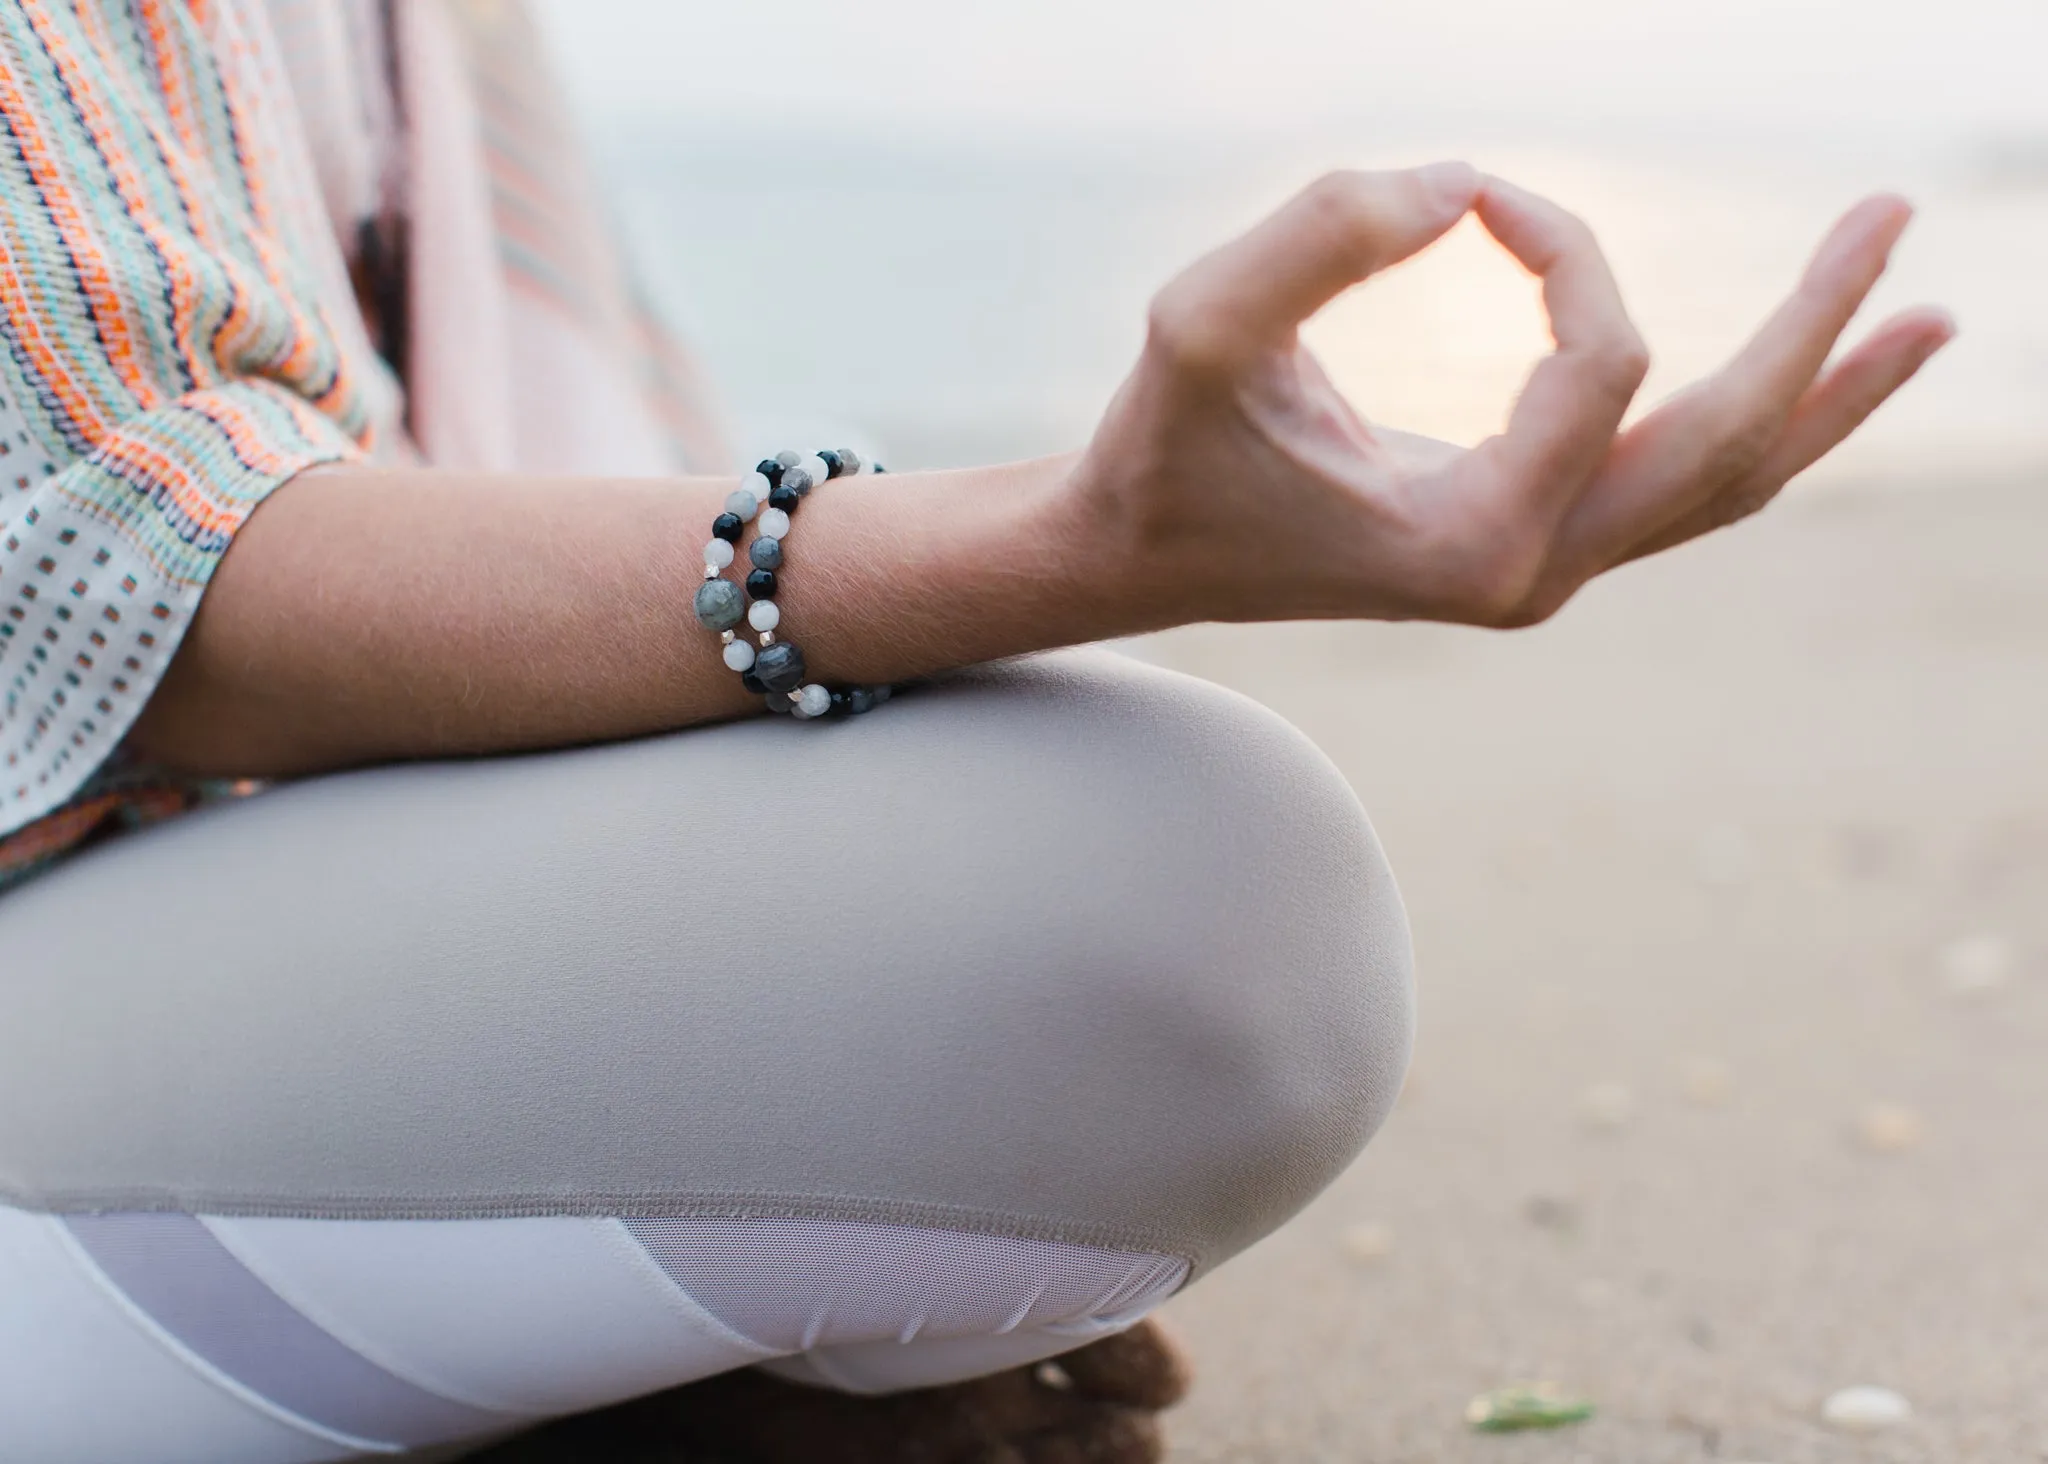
[(767, 637), (725, 637), (711, 571), (797, 695)]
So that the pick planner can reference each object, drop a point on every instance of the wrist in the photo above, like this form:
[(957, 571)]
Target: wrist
[(1097, 556), (1136, 561)]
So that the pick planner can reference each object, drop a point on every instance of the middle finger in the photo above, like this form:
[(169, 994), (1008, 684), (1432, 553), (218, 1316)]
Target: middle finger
[(1683, 454)]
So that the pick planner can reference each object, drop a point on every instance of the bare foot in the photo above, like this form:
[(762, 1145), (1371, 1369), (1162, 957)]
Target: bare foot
[(1097, 1405)]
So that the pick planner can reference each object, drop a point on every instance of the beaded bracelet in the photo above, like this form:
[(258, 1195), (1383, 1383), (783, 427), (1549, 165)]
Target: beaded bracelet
[(769, 498)]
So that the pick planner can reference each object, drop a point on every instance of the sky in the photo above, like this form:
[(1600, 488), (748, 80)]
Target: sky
[(1948, 67), (1709, 142)]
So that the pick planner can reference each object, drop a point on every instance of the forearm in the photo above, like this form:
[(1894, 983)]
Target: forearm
[(363, 616), (367, 616)]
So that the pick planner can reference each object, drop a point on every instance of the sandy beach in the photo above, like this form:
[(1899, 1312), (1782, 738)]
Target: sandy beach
[(1728, 895)]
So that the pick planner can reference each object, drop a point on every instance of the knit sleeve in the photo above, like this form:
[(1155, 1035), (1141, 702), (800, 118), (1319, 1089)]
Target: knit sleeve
[(172, 349)]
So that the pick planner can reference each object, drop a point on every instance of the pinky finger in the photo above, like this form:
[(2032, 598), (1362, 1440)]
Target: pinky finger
[(1831, 409)]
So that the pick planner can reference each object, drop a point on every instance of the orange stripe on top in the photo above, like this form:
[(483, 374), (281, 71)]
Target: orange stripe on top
[(248, 439), (302, 361), (145, 463), (170, 249), (50, 360), (95, 277), (175, 88)]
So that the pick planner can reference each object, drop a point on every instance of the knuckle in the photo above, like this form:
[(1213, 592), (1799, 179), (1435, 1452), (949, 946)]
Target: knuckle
[(1628, 361), (1616, 371), (1569, 237), (1737, 451), (1732, 508), (1616, 364), (1342, 202), (1493, 582), (1183, 329), (1575, 233)]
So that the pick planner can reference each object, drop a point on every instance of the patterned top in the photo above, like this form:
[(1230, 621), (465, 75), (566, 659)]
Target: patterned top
[(181, 186)]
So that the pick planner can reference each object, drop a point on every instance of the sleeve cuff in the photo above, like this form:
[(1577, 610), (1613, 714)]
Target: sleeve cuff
[(104, 565)]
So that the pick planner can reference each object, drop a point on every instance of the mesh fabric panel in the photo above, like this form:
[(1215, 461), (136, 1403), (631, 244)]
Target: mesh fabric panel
[(795, 1284)]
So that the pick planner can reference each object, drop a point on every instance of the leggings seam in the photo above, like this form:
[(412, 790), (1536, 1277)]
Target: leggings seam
[(620, 1204)]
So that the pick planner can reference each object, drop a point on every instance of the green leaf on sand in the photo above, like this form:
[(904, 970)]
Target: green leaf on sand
[(1526, 1405)]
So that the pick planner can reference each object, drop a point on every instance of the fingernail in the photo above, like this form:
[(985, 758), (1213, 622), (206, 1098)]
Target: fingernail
[(1452, 183)]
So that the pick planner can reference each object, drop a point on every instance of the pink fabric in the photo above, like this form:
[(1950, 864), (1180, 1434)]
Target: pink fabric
[(460, 367), (528, 350)]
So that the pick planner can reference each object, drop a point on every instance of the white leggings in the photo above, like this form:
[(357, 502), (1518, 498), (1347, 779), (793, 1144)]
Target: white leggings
[(207, 1340), (401, 1110)]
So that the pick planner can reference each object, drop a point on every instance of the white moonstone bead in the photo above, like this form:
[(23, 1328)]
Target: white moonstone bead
[(815, 702), (764, 615), (743, 503), (718, 554), (739, 655), (815, 466), (774, 524)]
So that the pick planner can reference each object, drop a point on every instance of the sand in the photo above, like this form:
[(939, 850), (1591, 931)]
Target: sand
[(1730, 896)]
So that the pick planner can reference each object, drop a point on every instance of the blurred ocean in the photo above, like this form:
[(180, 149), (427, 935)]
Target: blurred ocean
[(954, 298)]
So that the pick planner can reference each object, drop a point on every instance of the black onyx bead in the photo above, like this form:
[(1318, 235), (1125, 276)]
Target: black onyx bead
[(859, 700), (878, 468), (780, 667), (761, 584), (766, 553), (831, 461), (838, 701), (752, 682), (769, 469), (729, 527), (783, 498)]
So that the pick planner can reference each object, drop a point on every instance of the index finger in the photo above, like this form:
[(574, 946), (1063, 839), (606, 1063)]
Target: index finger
[(1253, 293), (1566, 417)]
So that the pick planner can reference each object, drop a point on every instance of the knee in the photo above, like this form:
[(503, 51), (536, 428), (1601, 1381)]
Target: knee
[(1230, 961)]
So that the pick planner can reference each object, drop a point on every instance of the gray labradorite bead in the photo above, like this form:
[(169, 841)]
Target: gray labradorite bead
[(780, 667), (778, 701), (720, 604), (766, 553), (859, 700)]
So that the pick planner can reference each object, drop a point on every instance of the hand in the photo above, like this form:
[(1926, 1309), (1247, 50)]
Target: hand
[(1244, 487)]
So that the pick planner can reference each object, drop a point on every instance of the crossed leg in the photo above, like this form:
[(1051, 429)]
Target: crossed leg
[(425, 1103)]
